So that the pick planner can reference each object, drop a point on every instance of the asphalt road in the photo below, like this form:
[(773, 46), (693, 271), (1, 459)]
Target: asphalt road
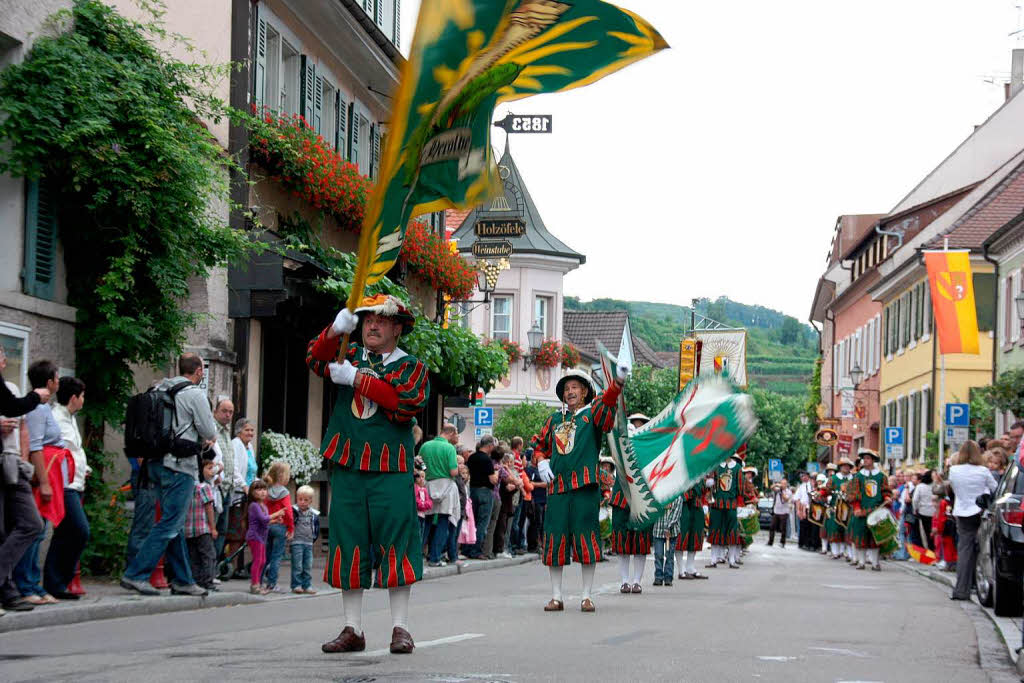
[(787, 615)]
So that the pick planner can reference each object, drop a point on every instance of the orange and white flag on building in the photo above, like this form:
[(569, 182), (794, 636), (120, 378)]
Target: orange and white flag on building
[(952, 289)]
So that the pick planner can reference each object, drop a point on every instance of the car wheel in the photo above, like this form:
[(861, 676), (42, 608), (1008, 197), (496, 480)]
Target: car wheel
[(982, 584), (1006, 594)]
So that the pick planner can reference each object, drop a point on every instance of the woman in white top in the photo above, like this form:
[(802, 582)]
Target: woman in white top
[(244, 474), (923, 501), (969, 478)]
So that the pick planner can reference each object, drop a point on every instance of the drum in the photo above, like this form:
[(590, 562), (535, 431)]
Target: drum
[(748, 520), (889, 547), (816, 514), (882, 526), (843, 512)]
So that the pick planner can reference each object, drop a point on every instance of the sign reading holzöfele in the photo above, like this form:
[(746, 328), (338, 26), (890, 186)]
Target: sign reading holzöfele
[(502, 249), (500, 227)]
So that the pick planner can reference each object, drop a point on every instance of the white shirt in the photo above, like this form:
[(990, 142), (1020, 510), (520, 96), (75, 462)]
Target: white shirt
[(969, 482), (73, 442), (924, 500), (803, 493)]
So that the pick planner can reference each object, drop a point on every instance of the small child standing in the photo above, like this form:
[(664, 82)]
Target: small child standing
[(664, 535), (201, 529), (256, 535), (307, 529), (282, 530), (423, 502)]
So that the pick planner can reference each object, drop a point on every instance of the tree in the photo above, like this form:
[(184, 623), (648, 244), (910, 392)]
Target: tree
[(649, 390), (779, 434), (790, 332), (525, 420)]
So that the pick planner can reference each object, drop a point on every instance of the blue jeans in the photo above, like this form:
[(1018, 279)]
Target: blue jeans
[(453, 540), (902, 553), (275, 552), (69, 539), (174, 491), (143, 517), (517, 540), (27, 575), (438, 537), (302, 565), (483, 502), (664, 559)]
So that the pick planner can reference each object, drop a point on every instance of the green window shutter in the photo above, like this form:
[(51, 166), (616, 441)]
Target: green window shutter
[(375, 132), (318, 104), (380, 16), (984, 300), (926, 404), (341, 125), (353, 133), (307, 87), (260, 72), (40, 274)]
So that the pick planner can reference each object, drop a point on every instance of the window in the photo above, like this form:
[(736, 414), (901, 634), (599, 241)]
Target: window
[(14, 341), (290, 83), (885, 331), (926, 407), (927, 294), (835, 368), (501, 318), (328, 123), (915, 425), (542, 315), (278, 71), (40, 270)]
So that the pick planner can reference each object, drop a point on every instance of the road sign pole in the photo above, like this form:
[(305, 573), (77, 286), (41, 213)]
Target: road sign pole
[(942, 402)]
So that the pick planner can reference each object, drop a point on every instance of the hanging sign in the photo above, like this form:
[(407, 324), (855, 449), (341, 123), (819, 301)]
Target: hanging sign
[(502, 249), (845, 444), (826, 437), (536, 123), (500, 227)]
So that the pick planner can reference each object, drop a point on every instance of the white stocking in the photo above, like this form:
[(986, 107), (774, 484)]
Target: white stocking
[(400, 606), (352, 607), (639, 561), (691, 556), (556, 583), (734, 554), (588, 579), (624, 568), (873, 556), (679, 562), (837, 549), (860, 555)]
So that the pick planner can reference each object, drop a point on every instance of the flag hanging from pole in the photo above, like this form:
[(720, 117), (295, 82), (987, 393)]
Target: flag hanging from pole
[(952, 290), (467, 56)]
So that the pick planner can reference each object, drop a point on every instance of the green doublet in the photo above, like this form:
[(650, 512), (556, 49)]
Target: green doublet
[(691, 520), (725, 528), (833, 532), (867, 488), (574, 444)]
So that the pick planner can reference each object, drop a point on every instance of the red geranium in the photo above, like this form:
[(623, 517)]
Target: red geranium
[(430, 257)]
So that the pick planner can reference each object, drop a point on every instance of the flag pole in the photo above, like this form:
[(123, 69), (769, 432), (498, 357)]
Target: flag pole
[(942, 388)]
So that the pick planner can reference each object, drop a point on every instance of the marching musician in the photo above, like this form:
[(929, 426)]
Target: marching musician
[(838, 508), (724, 529), (629, 543), (691, 532), (867, 491)]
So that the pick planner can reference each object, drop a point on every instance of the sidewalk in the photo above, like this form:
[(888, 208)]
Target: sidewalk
[(107, 600), (1009, 628)]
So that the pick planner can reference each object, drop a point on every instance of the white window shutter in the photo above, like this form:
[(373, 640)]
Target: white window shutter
[(260, 70), (398, 24), (1015, 319)]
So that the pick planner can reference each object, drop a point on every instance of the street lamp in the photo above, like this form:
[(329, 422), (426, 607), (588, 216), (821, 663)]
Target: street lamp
[(1019, 301), (856, 374), (534, 337)]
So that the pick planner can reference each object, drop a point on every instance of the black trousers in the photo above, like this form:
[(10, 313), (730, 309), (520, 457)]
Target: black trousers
[(203, 557), (966, 554), (20, 524), (534, 530), (69, 540), (779, 523), (809, 535)]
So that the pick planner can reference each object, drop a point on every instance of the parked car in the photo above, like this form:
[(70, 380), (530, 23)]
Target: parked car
[(764, 512), (1000, 568)]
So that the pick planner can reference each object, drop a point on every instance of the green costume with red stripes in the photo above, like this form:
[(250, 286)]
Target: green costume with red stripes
[(725, 528), (626, 541), (691, 521), (572, 441), (373, 522), (867, 491)]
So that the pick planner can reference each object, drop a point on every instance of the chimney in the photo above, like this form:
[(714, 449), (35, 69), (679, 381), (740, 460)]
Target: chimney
[(1016, 72)]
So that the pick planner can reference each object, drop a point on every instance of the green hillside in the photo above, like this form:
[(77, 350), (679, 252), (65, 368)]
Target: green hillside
[(780, 349)]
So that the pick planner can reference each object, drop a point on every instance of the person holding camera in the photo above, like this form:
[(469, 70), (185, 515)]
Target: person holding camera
[(174, 479), (781, 496)]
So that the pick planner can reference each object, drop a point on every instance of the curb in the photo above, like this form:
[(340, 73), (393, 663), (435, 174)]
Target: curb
[(996, 654), (137, 606)]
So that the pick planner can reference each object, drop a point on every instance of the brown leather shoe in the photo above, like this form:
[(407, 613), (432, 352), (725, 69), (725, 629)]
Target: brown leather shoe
[(347, 641), (554, 606), (401, 642), (587, 606)]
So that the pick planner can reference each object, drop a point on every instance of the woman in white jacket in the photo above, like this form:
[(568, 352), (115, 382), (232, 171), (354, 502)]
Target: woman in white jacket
[(924, 503), (970, 479)]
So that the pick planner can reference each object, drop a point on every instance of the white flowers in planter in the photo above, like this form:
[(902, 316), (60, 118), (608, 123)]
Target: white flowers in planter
[(301, 455)]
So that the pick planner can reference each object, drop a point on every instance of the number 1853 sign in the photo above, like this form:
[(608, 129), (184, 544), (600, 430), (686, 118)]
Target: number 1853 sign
[(514, 123)]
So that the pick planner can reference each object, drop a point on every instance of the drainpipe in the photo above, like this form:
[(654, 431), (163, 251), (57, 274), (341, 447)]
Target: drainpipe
[(995, 285), (898, 234)]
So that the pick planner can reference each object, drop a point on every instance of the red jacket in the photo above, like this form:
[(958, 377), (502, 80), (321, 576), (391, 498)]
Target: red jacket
[(285, 504)]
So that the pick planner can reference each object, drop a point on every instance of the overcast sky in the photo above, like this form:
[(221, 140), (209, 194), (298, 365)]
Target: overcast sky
[(720, 166)]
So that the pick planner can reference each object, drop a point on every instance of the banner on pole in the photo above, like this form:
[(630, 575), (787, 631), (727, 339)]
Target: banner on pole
[(952, 290)]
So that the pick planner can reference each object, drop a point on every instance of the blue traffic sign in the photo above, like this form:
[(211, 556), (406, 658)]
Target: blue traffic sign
[(774, 465), (894, 436), (958, 415), (483, 417)]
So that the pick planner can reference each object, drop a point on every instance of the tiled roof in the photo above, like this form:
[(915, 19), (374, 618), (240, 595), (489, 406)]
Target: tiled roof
[(645, 354), (850, 232), (453, 219), (584, 328), (992, 212), (669, 359)]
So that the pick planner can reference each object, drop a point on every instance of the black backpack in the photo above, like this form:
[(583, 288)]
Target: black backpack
[(149, 423)]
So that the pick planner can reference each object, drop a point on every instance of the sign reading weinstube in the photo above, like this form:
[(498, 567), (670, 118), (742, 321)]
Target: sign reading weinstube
[(502, 249), (515, 123), (500, 227)]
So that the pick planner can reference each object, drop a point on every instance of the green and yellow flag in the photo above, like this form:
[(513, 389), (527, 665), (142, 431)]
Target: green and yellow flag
[(467, 56)]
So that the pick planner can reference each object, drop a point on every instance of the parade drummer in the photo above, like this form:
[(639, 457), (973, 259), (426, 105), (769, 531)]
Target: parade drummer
[(724, 528), (835, 533), (569, 445), (369, 441), (630, 545), (867, 491), (691, 532)]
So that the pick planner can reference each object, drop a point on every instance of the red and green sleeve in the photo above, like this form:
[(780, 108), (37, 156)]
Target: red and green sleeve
[(542, 442), (323, 351), (604, 407), (410, 384)]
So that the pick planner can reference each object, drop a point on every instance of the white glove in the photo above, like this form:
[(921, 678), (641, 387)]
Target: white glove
[(345, 322), (544, 470), (342, 373), (622, 371)]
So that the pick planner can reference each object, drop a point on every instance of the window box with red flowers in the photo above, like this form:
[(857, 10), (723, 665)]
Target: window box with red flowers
[(549, 354), (570, 355), (430, 257), (512, 349), (304, 164)]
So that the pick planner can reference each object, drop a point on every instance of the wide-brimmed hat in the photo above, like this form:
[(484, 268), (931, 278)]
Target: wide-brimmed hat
[(741, 453), (638, 416), (867, 451), (831, 466), (845, 461), (579, 376), (389, 306), (750, 468)]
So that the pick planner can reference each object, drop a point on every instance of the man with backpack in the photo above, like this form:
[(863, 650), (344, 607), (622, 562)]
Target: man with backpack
[(169, 427)]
